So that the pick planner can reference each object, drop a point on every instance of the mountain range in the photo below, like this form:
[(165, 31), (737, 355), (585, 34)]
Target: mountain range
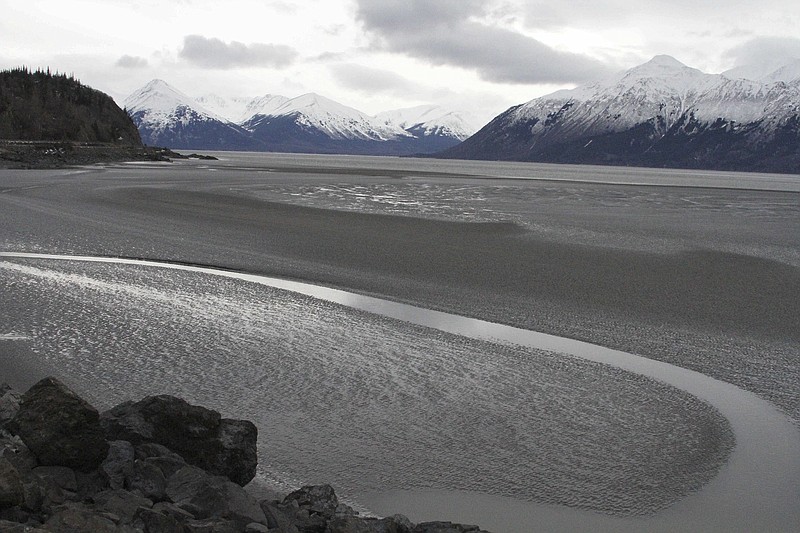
[(660, 114), (310, 123)]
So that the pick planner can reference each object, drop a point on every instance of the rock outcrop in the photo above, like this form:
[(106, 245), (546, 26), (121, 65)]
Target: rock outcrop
[(137, 469)]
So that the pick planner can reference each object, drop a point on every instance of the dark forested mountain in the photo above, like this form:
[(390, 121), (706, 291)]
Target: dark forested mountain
[(41, 106), (659, 114)]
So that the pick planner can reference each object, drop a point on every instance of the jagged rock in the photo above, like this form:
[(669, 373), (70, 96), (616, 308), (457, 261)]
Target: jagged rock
[(9, 404), (14, 527), (152, 521), (12, 491), (78, 518), (199, 435), (90, 483), (173, 510), (148, 479), (279, 517), (60, 476), (446, 527), (121, 503), (15, 452), (319, 499), (160, 456), (354, 524), (59, 427), (255, 527), (211, 525), (118, 464), (207, 496)]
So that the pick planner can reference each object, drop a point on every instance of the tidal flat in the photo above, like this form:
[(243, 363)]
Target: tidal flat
[(700, 272)]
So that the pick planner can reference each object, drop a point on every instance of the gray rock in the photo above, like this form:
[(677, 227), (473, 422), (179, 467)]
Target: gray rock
[(319, 499), (14, 527), (211, 525), (14, 450), (152, 521), (354, 524), (173, 510), (254, 527), (446, 527), (199, 435), (61, 476), (148, 479), (207, 496), (9, 406), (78, 518), (59, 427), (12, 492), (121, 503), (279, 517), (118, 463), (167, 465)]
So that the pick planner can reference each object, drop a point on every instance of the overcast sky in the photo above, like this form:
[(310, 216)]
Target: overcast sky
[(375, 55)]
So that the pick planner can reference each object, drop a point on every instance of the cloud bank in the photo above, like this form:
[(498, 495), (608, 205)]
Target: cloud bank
[(127, 61), (216, 54), (446, 32)]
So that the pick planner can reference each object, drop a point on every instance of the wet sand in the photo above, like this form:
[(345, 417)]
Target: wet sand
[(696, 301), (727, 311)]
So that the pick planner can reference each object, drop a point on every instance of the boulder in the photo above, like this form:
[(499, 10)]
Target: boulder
[(118, 464), (316, 499), (199, 435), (78, 518), (121, 503), (148, 479), (211, 525), (207, 496), (9, 404), (60, 476), (446, 527), (279, 517), (151, 521), (59, 427), (15, 527), (354, 524), (12, 492), (15, 452)]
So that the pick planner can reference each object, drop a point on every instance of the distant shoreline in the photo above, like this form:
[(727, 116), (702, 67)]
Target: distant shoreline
[(21, 154)]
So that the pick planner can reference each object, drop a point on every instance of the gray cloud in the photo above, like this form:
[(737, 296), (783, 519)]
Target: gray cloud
[(765, 50), (445, 33), (371, 80), (127, 61), (214, 53)]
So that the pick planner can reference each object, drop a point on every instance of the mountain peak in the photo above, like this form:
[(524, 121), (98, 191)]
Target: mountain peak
[(664, 61)]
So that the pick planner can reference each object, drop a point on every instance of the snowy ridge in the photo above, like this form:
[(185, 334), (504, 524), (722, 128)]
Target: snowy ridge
[(159, 106), (336, 120), (662, 88), (262, 105), (432, 120), (232, 109)]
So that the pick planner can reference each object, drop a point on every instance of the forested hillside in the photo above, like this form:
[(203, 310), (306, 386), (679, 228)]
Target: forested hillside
[(42, 106)]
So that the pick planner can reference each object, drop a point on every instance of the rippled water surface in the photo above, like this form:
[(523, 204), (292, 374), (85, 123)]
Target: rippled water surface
[(373, 403)]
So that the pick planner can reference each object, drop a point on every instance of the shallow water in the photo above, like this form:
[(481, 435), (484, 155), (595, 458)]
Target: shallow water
[(505, 421)]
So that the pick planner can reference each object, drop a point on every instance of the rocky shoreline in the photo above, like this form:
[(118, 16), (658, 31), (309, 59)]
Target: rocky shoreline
[(46, 154), (159, 465)]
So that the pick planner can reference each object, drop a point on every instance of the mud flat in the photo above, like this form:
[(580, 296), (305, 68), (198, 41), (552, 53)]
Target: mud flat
[(702, 277)]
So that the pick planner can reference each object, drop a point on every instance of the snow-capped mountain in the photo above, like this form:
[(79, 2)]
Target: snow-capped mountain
[(314, 113), (308, 123), (432, 120), (232, 109), (168, 117), (661, 113)]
